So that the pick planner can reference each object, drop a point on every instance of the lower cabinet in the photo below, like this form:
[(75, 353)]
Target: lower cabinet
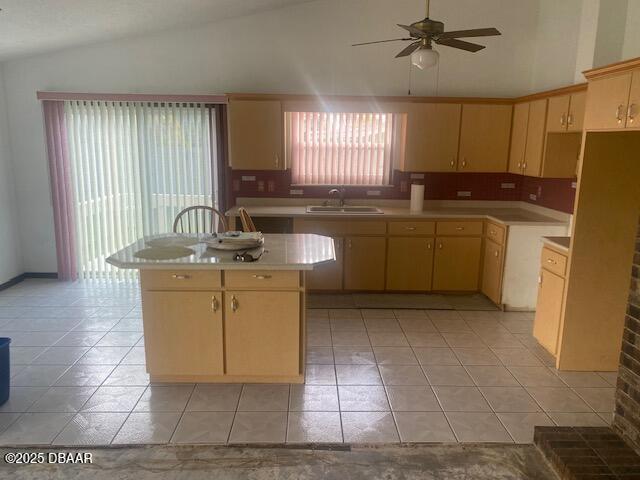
[(179, 322), (262, 333), (457, 263), (328, 276), (492, 271), (364, 263), (548, 310), (409, 263)]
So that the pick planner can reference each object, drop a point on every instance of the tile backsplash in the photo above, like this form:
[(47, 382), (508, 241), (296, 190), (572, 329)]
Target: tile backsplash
[(555, 193)]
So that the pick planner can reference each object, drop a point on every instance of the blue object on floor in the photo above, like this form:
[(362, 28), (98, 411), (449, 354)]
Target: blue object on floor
[(4, 369)]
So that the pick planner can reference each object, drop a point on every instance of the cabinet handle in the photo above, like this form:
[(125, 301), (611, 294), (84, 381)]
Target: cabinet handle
[(562, 119), (459, 228), (440, 246), (619, 113), (411, 229), (349, 244), (464, 162), (540, 279), (492, 232), (180, 277), (524, 166), (428, 245), (234, 303), (630, 112), (262, 277), (452, 163), (570, 119), (277, 160), (551, 261), (215, 304), (496, 253), (519, 165)]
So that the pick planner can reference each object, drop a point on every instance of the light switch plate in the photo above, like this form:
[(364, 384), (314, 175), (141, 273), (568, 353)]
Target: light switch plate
[(574, 184), (533, 196)]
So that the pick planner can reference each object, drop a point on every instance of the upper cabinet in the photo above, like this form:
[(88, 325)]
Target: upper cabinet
[(484, 138), (255, 135), (528, 138), (566, 113), (432, 135), (613, 101)]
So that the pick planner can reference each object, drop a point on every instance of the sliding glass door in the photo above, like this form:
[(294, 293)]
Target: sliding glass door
[(134, 166)]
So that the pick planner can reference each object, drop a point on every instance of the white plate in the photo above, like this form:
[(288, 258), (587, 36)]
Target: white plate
[(173, 241)]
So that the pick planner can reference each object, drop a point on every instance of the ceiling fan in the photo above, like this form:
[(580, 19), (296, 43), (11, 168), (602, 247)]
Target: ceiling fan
[(424, 33)]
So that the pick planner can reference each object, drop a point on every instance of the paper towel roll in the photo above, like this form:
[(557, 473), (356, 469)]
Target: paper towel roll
[(417, 197)]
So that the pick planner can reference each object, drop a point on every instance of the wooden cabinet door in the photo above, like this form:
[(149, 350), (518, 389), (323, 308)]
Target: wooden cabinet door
[(255, 135), (536, 134), (548, 310), (432, 137), (409, 263), (484, 138), (456, 264), (607, 100), (328, 276), (364, 261), (518, 137), (262, 333), (633, 110), (183, 332), (575, 120), (558, 113), (492, 271)]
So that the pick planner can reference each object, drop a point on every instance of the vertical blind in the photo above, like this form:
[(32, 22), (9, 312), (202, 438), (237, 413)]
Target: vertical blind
[(340, 148), (134, 166)]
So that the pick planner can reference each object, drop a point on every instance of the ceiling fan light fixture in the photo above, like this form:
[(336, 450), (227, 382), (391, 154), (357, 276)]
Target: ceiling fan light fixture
[(424, 57)]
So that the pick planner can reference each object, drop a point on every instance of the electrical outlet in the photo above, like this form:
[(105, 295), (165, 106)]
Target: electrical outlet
[(574, 185), (271, 186), (260, 186), (508, 186), (248, 178), (533, 197), (296, 192), (373, 193)]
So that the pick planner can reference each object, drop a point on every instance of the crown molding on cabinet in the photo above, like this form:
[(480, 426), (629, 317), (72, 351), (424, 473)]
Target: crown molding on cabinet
[(618, 67)]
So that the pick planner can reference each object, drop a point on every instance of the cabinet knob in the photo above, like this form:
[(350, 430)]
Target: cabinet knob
[(215, 304), (551, 261), (492, 232), (262, 277), (180, 277), (234, 303), (619, 113)]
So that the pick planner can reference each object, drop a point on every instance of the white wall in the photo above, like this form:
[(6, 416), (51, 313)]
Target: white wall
[(611, 32), (631, 47), (10, 254), (556, 43), (304, 49)]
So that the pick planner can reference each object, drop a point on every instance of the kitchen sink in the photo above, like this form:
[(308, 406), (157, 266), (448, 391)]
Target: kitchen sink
[(347, 209)]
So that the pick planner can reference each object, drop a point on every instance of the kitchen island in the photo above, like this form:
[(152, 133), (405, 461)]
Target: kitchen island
[(210, 318)]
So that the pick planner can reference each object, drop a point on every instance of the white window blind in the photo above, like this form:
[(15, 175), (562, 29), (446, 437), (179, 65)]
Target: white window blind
[(134, 166), (340, 148)]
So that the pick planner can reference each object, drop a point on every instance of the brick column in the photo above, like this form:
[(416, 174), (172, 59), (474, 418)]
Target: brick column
[(626, 420)]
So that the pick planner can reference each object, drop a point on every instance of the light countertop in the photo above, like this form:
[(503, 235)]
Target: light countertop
[(281, 252), (505, 216), (561, 243)]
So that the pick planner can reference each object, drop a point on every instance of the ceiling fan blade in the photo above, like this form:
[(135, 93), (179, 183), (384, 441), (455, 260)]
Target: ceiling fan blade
[(415, 31), (476, 32), (382, 41), (409, 49), (462, 45)]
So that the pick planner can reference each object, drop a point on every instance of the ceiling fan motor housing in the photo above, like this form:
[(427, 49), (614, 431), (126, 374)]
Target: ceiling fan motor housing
[(428, 26)]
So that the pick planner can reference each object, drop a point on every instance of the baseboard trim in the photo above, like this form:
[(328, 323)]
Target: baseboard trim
[(19, 278)]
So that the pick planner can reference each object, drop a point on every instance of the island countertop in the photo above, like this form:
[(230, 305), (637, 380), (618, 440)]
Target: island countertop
[(281, 252)]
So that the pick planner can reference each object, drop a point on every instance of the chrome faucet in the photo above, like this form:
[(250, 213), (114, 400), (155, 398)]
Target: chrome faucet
[(340, 192)]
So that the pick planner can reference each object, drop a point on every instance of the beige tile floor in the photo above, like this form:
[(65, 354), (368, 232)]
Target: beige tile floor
[(373, 375)]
